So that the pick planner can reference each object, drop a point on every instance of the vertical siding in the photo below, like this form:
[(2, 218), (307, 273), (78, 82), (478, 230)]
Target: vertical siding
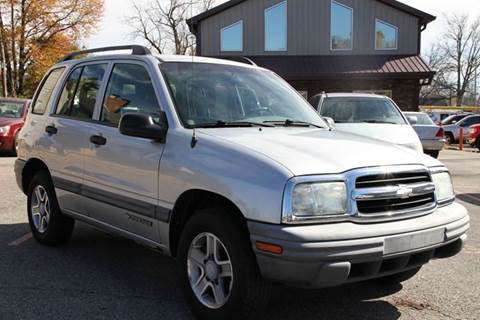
[(309, 27)]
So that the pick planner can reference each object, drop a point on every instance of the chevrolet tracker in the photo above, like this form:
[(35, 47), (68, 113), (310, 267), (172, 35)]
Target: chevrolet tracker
[(226, 168)]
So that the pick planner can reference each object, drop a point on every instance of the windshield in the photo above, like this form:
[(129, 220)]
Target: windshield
[(454, 118), (361, 110), (11, 109), (422, 118), (207, 94)]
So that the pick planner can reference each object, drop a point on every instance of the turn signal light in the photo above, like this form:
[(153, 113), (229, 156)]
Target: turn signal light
[(268, 247)]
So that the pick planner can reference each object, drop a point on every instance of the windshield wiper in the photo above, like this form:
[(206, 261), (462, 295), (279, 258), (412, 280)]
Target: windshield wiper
[(378, 121), (295, 123), (233, 124)]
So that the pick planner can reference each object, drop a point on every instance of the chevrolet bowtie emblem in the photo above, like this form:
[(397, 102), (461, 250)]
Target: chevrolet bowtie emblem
[(404, 191)]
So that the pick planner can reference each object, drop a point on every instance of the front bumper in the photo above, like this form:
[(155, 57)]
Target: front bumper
[(325, 255), (433, 145)]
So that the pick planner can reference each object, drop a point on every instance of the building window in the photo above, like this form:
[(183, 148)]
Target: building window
[(276, 27), (386, 36), (341, 24), (232, 37)]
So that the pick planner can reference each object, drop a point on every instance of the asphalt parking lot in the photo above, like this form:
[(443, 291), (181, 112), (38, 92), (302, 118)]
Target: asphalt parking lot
[(98, 276)]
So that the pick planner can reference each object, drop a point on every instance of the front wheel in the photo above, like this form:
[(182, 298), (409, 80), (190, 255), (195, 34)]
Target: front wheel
[(218, 271), (449, 138), (48, 224)]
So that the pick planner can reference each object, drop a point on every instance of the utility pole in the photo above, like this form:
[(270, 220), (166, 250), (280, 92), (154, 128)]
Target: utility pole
[(475, 89)]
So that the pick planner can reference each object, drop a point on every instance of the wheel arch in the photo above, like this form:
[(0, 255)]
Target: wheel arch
[(192, 201), (31, 167)]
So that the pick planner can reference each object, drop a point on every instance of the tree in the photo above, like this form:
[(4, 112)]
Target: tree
[(163, 25), (40, 30), (456, 57)]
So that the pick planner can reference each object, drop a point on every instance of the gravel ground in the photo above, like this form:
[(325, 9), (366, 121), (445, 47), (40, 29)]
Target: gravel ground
[(97, 276)]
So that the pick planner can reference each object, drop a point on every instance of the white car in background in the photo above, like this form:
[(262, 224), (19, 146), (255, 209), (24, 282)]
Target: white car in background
[(368, 115), (431, 135)]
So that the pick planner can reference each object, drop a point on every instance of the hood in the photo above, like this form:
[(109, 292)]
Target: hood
[(307, 151), (9, 121), (399, 134)]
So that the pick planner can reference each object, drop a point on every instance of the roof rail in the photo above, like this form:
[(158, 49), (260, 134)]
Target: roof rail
[(240, 59), (136, 50)]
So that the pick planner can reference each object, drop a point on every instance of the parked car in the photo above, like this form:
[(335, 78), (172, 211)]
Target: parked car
[(431, 135), (455, 118), (473, 137), (223, 166), (439, 116), (452, 131), (368, 115), (12, 118)]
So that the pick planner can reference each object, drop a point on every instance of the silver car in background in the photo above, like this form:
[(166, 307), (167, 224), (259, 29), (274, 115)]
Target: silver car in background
[(452, 131), (369, 115), (431, 135)]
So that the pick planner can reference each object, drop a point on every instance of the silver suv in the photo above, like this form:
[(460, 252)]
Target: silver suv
[(225, 167)]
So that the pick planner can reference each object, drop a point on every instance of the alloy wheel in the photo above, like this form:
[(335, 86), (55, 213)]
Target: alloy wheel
[(210, 270), (40, 209)]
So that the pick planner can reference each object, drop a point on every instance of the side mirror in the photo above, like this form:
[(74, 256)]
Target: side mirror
[(141, 125), (329, 121), (412, 119)]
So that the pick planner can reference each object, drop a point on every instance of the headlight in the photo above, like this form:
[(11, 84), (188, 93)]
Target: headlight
[(443, 187), (4, 130), (315, 200)]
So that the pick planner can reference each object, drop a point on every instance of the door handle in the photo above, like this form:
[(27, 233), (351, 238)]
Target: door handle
[(51, 129), (98, 140)]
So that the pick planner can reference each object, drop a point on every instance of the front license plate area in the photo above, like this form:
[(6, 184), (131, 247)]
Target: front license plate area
[(413, 241)]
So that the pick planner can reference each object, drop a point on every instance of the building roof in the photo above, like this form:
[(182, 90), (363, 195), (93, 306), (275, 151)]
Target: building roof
[(341, 67), (424, 17)]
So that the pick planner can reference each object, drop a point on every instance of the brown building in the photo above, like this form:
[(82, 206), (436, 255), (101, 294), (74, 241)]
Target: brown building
[(324, 45)]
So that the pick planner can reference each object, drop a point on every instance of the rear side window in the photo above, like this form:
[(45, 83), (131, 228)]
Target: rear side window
[(80, 92), (129, 89), (45, 93)]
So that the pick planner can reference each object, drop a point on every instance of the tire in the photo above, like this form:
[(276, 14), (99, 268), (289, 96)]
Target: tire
[(399, 277), (449, 137), (477, 144), (245, 291), (47, 223), (433, 153)]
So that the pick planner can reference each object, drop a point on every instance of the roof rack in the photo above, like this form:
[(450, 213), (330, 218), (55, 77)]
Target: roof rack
[(240, 59), (136, 50)]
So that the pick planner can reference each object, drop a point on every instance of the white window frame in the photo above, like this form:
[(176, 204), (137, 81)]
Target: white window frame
[(351, 25), (396, 35), (265, 27), (240, 22)]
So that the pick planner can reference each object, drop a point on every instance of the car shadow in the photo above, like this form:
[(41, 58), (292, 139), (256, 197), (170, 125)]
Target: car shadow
[(99, 276)]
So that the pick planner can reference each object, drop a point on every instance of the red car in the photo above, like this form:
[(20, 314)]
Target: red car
[(12, 117), (473, 136)]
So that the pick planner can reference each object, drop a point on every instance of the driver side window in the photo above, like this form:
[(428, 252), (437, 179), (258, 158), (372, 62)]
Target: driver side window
[(129, 89)]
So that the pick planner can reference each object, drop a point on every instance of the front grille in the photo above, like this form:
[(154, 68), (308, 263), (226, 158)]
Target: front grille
[(392, 193), (388, 205), (389, 179)]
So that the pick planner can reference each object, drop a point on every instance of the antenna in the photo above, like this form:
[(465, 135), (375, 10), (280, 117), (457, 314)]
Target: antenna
[(194, 140)]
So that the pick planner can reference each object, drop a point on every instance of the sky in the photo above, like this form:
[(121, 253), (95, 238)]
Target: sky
[(113, 30)]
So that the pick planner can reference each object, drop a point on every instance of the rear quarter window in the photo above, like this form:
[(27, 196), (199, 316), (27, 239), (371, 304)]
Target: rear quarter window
[(44, 95)]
